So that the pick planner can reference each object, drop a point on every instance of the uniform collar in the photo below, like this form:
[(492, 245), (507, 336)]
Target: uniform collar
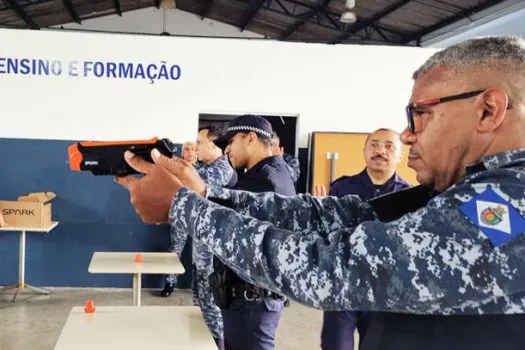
[(257, 166), (498, 160), (365, 178)]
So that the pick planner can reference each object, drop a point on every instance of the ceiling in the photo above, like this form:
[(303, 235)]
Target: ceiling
[(388, 22)]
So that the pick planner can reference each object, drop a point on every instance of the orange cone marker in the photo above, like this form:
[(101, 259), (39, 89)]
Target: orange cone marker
[(89, 308)]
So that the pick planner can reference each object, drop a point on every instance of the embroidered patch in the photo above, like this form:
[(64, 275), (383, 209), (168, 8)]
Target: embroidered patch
[(495, 217)]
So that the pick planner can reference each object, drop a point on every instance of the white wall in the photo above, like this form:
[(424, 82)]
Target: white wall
[(150, 21), (331, 88)]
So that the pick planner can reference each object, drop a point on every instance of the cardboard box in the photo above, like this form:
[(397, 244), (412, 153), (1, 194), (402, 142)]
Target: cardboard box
[(32, 210)]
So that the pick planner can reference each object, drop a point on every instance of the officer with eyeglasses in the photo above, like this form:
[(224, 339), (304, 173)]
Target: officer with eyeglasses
[(443, 262)]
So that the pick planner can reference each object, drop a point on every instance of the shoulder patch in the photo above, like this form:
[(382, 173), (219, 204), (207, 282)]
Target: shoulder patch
[(494, 216)]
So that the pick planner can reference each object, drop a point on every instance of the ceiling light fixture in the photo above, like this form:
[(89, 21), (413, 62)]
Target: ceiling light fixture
[(348, 16), (350, 4)]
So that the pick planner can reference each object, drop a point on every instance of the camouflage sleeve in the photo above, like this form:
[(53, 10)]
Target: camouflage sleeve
[(432, 261), (298, 213), (293, 166), (218, 174)]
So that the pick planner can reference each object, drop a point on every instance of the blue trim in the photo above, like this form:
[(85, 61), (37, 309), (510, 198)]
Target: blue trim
[(94, 214)]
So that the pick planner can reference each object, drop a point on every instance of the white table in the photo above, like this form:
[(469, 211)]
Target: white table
[(22, 258), (134, 328), (124, 262)]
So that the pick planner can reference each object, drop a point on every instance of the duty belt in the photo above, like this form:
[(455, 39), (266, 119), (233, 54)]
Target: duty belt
[(249, 292)]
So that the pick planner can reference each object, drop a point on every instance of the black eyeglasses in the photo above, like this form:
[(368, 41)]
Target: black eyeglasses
[(432, 102)]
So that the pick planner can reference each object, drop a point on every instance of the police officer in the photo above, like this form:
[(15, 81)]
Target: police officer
[(449, 274), (292, 163), (251, 314), (382, 153), (215, 169)]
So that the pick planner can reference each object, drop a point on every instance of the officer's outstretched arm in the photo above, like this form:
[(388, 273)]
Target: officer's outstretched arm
[(435, 260), (297, 213)]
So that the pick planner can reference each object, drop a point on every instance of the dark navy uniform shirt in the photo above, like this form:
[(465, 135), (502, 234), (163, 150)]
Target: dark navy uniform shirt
[(362, 186), (269, 175)]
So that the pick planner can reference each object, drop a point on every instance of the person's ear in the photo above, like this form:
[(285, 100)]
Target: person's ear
[(493, 107), (252, 138)]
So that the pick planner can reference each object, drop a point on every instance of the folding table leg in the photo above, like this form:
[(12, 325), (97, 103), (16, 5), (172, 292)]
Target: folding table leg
[(22, 271), (137, 282)]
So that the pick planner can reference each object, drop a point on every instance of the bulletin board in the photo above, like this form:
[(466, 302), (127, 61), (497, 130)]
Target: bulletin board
[(349, 147)]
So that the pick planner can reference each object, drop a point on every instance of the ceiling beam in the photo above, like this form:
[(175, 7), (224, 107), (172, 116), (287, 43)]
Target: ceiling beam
[(319, 25), (72, 11), (335, 29), (333, 21), (388, 30), (334, 17), (23, 14), (362, 24), (304, 18), (282, 7), (381, 34), (252, 12), (450, 20)]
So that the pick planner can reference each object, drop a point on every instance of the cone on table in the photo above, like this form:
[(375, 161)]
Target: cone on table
[(89, 308)]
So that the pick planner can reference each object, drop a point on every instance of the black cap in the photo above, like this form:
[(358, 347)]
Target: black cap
[(245, 123)]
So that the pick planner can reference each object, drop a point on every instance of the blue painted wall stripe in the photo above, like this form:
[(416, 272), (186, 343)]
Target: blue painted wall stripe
[(94, 214)]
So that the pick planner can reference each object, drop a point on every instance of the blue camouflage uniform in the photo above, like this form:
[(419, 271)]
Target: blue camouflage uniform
[(339, 326), (253, 314), (219, 173), (292, 164), (454, 267)]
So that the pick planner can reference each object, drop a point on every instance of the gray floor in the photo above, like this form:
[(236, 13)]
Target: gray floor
[(35, 322)]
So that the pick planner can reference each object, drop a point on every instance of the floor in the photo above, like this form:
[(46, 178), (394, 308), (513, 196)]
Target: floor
[(34, 322)]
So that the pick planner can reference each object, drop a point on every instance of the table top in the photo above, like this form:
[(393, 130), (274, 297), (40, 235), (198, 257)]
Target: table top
[(124, 262), (30, 229), (134, 328)]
